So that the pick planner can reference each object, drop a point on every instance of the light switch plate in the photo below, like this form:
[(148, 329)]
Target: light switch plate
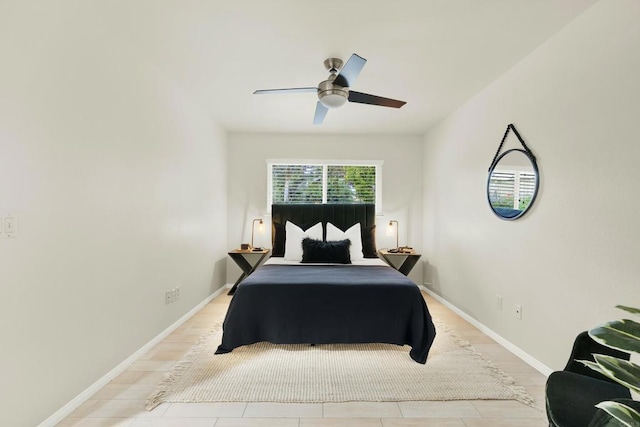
[(11, 226)]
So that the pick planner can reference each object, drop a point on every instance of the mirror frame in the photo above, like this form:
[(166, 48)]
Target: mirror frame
[(535, 191)]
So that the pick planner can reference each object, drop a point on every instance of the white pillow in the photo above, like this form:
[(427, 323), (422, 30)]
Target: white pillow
[(293, 239), (353, 234)]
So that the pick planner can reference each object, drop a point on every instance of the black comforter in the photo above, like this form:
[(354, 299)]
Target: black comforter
[(328, 304)]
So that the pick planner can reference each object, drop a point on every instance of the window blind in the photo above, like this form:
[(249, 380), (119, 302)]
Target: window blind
[(351, 184), (526, 189), (296, 183)]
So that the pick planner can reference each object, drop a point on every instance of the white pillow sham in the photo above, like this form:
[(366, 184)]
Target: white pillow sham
[(353, 234), (295, 235)]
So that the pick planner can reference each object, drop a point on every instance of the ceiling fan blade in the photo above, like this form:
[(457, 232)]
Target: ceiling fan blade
[(287, 90), (350, 71), (365, 98), (321, 112)]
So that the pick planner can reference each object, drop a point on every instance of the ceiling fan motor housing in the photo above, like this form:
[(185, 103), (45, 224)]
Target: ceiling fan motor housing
[(332, 95)]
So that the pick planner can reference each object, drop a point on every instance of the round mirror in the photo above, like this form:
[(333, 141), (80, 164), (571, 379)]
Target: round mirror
[(513, 184)]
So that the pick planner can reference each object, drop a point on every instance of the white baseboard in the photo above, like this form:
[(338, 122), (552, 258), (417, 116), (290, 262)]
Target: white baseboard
[(526, 357), (63, 412)]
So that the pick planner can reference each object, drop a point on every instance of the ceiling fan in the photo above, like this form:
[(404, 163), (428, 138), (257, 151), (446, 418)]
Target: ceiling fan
[(334, 92)]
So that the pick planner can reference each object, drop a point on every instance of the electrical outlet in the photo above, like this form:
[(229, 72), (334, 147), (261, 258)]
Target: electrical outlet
[(518, 311), (499, 302), (172, 295)]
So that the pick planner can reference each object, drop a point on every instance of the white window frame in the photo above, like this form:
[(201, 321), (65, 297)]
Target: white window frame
[(325, 163)]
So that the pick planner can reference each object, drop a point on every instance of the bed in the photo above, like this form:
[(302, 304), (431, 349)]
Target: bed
[(286, 301)]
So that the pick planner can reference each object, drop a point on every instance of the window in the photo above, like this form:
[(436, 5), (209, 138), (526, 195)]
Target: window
[(304, 181)]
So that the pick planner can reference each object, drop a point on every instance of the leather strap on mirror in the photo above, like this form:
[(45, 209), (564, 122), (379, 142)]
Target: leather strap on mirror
[(510, 126)]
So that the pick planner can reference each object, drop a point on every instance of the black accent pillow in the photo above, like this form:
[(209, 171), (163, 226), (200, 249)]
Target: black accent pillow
[(336, 252), (369, 249)]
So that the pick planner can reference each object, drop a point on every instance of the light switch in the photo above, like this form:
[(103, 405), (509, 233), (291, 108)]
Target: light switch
[(10, 226)]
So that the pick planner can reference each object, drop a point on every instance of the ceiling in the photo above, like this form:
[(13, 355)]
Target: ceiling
[(434, 54)]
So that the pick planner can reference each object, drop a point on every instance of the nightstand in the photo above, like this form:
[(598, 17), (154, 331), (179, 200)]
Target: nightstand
[(246, 264), (407, 261)]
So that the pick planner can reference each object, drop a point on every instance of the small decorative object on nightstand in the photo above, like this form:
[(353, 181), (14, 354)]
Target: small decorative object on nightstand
[(408, 256), (247, 264)]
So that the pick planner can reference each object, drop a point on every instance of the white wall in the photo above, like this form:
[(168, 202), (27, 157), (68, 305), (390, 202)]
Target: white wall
[(401, 181), (119, 183), (575, 101)]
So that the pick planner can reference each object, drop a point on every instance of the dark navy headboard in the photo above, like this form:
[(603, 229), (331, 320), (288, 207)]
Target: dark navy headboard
[(342, 216)]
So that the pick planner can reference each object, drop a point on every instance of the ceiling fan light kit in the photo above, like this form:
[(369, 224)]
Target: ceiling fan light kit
[(334, 92), (332, 95)]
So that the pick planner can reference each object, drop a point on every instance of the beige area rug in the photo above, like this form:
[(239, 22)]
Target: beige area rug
[(266, 372)]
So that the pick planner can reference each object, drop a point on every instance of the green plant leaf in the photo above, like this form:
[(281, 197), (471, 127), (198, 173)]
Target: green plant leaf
[(632, 310), (622, 335), (595, 367), (621, 371), (626, 415)]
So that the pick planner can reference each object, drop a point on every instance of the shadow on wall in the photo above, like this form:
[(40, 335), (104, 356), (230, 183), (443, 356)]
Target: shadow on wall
[(219, 274), (431, 278)]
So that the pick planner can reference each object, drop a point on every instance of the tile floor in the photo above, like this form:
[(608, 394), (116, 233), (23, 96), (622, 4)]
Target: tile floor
[(121, 402)]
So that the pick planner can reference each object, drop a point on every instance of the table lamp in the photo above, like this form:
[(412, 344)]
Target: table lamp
[(260, 230), (390, 230)]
